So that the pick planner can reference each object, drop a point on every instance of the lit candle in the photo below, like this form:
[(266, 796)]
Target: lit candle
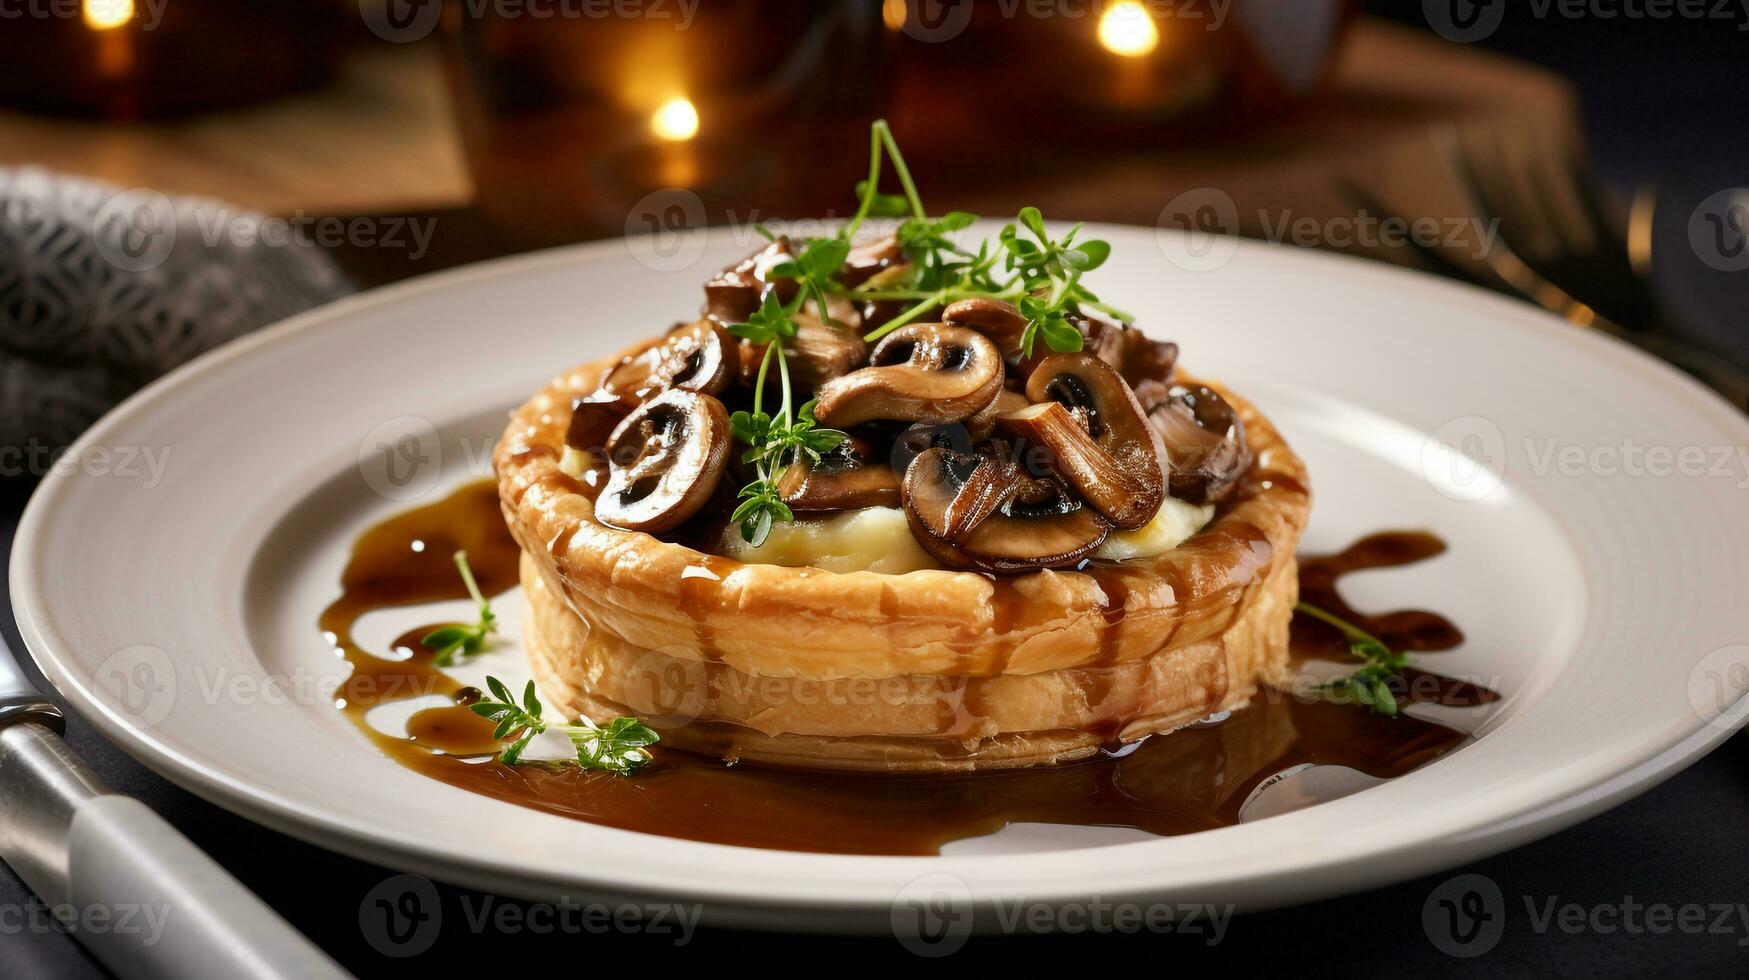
[(1127, 29), (675, 125), (115, 47)]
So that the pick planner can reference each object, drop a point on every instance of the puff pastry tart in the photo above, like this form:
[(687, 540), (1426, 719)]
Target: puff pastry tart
[(969, 551)]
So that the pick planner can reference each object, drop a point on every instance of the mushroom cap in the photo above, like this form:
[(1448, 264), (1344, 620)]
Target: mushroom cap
[(922, 372), (1203, 436), (697, 356), (733, 294), (996, 319), (846, 478), (665, 460), (983, 512), (1116, 459), (1135, 355), (820, 351), (593, 419), (1128, 488)]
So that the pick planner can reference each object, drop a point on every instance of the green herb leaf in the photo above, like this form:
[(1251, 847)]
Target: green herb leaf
[(1371, 684), (771, 321), (884, 205), (450, 643), (620, 746)]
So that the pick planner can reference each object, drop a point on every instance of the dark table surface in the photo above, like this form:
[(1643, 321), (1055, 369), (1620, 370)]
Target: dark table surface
[(1676, 117)]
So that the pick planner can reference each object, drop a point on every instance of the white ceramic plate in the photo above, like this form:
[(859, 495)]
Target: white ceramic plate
[(1602, 593)]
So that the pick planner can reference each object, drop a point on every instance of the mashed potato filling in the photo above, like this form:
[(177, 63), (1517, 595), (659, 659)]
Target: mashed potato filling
[(872, 539), (878, 539), (1172, 524)]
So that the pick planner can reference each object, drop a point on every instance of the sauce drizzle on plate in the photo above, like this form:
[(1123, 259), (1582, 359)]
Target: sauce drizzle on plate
[(1191, 780)]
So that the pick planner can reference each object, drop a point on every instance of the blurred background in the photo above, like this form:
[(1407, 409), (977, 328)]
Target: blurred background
[(174, 173), (1578, 156)]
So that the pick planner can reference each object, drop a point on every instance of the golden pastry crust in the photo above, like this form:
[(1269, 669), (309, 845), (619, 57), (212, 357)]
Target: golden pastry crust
[(773, 621), (917, 723)]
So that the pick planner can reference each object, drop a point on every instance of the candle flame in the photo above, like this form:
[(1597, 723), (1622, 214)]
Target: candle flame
[(893, 14), (103, 15), (676, 120), (1127, 29)]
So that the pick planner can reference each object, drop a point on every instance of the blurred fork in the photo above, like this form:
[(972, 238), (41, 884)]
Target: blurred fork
[(1553, 212), (1581, 244)]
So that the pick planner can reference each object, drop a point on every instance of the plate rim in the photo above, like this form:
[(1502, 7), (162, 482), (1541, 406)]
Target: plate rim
[(257, 801)]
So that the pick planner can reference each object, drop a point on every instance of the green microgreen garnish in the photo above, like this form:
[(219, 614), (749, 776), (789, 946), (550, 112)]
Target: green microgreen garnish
[(450, 643), (621, 745), (1371, 684), (1025, 266)]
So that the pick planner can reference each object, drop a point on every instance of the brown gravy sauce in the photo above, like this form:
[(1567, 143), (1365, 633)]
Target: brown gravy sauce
[(1194, 779)]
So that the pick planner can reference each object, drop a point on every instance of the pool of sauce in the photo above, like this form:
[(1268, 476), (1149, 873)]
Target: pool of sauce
[(1191, 780)]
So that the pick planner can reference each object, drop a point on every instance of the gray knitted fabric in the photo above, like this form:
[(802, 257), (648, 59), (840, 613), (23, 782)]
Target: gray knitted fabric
[(102, 290)]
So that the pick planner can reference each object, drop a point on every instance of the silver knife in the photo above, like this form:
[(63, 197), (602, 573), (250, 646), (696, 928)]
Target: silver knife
[(148, 903)]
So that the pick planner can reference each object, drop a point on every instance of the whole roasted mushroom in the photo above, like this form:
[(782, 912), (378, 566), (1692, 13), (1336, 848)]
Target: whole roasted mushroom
[(1096, 436), (1203, 436), (922, 372), (983, 512), (849, 476), (665, 460), (698, 356)]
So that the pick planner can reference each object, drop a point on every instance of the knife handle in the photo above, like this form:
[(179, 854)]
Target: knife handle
[(190, 917), (148, 903)]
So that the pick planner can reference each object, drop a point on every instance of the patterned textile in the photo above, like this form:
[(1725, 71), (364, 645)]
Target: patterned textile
[(102, 290)]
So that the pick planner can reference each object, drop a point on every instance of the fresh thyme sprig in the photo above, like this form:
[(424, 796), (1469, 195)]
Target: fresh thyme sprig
[(621, 745), (1043, 278), (450, 643), (773, 444), (1370, 685)]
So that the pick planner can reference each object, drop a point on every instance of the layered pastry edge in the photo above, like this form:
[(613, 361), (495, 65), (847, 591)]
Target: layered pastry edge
[(1221, 599)]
